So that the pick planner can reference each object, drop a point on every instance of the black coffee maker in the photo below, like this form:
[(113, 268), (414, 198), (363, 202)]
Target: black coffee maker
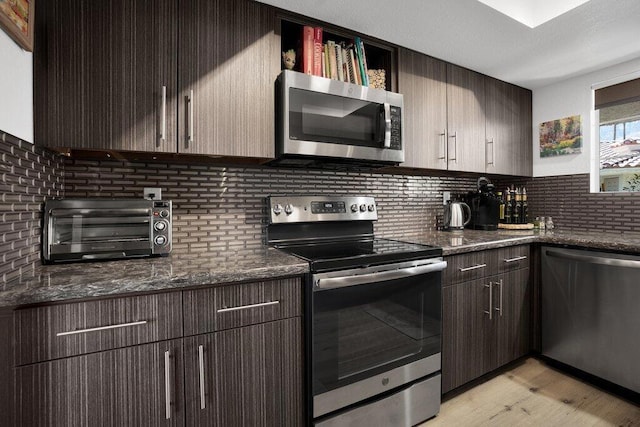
[(485, 206)]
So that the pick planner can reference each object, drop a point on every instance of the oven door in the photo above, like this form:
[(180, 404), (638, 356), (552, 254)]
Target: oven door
[(373, 329)]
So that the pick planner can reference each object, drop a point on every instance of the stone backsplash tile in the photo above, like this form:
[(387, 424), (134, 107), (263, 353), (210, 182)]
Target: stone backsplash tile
[(224, 207), (28, 174)]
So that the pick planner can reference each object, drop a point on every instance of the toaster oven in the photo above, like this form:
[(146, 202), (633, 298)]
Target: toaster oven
[(96, 229)]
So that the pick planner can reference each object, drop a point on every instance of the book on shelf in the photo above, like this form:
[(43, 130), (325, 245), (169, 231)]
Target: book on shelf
[(332, 60), (360, 61), (364, 62), (339, 62), (317, 51), (307, 49)]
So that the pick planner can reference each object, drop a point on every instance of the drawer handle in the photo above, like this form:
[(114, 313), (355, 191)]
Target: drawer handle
[(518, 258), (167, 385), (101, 328), (245, 307), (475, 267), (203, 402)]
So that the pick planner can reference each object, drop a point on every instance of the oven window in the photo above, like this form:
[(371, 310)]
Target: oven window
[(335, 119), (364, 330), (78, 231)]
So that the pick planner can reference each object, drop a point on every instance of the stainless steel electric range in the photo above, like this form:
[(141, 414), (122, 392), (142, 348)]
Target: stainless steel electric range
[(373, 313)]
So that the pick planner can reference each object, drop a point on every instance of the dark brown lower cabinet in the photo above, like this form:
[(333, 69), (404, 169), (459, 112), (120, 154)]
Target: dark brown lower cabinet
[(249, 376), (486, 324), (127, 386)]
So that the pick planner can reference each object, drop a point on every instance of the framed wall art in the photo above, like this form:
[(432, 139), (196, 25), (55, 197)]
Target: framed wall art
[(17, 20), (560, 137)]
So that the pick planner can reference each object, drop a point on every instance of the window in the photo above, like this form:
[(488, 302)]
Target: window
[(618, 112)]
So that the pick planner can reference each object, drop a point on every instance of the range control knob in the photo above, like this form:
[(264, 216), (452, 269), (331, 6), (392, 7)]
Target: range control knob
[(288, 209), (160, 226), (363, 207), (160, 240), (371, 208), (354, 208), (164, 213), (277, 209)]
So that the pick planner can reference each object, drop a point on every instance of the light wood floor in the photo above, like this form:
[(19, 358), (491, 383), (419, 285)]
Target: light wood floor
[(534, 394)]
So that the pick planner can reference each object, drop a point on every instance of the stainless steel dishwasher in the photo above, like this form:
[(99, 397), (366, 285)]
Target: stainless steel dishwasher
[(591, 312)]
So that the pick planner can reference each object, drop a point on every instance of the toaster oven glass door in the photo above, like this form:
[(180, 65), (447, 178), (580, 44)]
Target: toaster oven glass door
[(99, 230)]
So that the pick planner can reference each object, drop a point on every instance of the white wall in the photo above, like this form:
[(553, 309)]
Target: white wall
[(16, 89), (568, 98)]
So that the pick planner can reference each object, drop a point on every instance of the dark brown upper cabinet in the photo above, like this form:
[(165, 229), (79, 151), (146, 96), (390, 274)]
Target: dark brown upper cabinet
[(174, 76), (444, 123), (228, 62), (108, 66), (509, 133), (457, 119)]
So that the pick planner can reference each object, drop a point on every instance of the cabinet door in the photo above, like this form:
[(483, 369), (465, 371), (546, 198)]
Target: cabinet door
[(508, 128), (423, 82), (229, 58), (466, 330), (246, 376), (466, 119), (107, 63), (112, 388), (512, 311)]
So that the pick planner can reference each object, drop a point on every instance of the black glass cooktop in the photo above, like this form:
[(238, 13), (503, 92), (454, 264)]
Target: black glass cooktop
[(357, 253)]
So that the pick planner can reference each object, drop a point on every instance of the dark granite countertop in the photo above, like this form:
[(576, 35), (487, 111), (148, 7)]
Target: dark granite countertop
[(59, 282), (63, 282), (475, 240)]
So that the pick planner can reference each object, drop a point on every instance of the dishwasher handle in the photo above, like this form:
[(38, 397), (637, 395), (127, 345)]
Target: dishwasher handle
[(380, 276), (613, 262)]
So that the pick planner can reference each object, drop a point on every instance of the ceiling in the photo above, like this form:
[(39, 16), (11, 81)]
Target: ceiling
[(592, 36)]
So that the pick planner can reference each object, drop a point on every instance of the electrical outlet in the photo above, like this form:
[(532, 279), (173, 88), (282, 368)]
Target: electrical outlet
[(446, 196), (152, 193)]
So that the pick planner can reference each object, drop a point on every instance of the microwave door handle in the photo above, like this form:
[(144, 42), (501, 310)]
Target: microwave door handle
[(387, 125)]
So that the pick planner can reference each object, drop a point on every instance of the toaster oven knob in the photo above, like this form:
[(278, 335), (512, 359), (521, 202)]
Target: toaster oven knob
[(288, 209), (363, 207), (277, 209), (160, 240), (370, 208), (354, 208), (160, 225), (164, 213)]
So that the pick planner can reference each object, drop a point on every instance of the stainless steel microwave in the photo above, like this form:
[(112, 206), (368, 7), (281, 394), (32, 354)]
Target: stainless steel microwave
[(320, 118), (95, 229)]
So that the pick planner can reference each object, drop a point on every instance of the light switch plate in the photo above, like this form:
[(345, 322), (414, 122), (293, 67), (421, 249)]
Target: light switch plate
[(446, 196), (152, 193)]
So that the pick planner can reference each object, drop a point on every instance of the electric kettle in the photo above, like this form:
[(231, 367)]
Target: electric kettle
[(456, 215)]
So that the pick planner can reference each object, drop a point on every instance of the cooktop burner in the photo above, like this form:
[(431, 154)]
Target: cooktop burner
[(324, 256), (336, 232)]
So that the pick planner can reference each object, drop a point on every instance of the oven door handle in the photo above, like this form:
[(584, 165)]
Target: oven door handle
[(380, 276)]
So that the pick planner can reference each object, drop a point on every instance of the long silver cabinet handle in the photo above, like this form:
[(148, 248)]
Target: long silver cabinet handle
[(163, 115), (518, 258), (500, 283), (474, 267), (190, 119), (381, 276), (490, 311), (245, 307), (455, 147), (203, 402), (101, 328), (167, 384), (493, 155), (615, 262), (444, 145)]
